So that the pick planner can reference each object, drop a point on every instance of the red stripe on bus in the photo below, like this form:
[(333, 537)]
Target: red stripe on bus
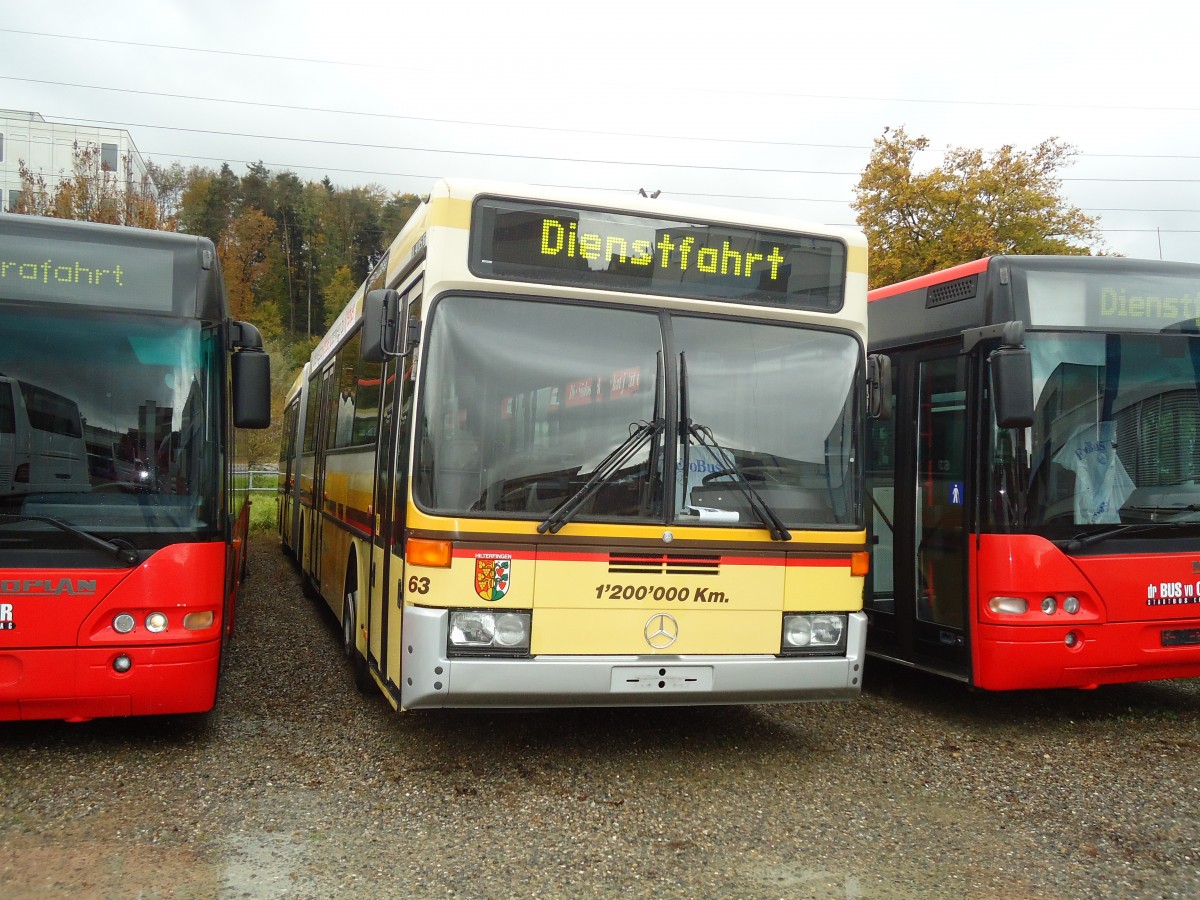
[(922, 281), (651, 558)]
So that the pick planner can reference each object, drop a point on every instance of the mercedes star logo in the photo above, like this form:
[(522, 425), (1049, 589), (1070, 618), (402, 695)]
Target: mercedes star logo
[(661, 631)]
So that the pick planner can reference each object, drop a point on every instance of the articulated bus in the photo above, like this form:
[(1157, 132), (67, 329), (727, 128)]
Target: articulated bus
[(562, 449), (122, 379), (1036, 497)]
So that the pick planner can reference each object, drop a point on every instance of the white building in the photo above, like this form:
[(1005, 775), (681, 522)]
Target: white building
[(48, 150)]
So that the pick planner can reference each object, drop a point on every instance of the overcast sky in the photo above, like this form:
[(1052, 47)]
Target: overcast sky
[(771, 105)]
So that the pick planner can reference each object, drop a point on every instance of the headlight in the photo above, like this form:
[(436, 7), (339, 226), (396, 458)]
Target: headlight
[(198, 620), (818, 634), (1012, 606), (156, 622), (476, 631), (123, 623)]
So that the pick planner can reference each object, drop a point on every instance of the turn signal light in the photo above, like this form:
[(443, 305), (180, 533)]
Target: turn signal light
[(421, 552)]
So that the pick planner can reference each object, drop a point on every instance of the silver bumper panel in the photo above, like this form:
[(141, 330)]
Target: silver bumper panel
[(430, 679)]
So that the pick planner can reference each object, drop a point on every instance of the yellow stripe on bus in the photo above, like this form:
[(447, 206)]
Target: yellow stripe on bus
[(856, 260), (446, 212)]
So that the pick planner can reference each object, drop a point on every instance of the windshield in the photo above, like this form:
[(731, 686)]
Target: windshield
[(108, 423), (1116, 433), (524, 402)]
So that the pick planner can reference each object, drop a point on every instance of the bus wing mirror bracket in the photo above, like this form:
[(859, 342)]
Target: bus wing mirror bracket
[(385, 326), (251, 370), (244, 336), (1012, 379), (879, 386)]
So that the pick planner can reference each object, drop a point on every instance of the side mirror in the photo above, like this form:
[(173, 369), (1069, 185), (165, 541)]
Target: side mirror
[(385, 325), (879, 386), (1012, 386), (251, 389)]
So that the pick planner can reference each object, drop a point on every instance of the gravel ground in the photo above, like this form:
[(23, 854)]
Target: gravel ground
[(297, 786)]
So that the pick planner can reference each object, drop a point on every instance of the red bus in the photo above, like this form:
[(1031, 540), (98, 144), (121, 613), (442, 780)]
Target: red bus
[(1036, 496), (122, 534)]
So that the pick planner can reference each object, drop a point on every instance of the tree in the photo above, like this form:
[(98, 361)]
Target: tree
[(92, 193), (341, 287), (35, 198), (207, 202), (242, 249), (971, 206), (171, 180)]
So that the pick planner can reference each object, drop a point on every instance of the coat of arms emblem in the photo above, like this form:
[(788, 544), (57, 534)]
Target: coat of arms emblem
[(493, 575)]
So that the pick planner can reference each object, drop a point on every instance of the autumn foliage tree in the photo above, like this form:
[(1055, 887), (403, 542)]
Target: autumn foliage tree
[(972, 205), (93, 192), (242, 248)]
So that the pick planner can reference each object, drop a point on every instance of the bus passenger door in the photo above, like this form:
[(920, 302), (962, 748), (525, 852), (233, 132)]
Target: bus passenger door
[(328, 384), (384, 528), (940, 519), (386, 599)]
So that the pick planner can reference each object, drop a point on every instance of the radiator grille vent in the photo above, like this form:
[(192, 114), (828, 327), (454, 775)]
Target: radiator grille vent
[(663, 564)]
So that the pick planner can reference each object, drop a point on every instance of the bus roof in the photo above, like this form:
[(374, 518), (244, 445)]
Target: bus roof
[(114, 266), (1106, 293), (450, 202), (468, 189)]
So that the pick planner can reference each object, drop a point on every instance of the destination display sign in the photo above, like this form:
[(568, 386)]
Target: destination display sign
[(1116, 301), (576, 246), (95, 274)]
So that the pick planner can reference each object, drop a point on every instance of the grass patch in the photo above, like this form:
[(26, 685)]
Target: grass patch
[(264, 513)]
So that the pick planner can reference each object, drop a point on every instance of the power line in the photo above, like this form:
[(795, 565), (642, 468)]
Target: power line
[(565, 159), (437, 121), (838, 97), (484, 124), (76, 37), (489, 154), (281, 166)]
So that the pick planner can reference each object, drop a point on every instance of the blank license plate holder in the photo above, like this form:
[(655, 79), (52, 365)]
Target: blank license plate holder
[(660, 679)]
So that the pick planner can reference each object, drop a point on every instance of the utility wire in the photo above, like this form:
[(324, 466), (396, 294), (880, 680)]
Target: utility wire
[(436, 121), (544, 128), (482, 153), (805, 96), (565, 159)]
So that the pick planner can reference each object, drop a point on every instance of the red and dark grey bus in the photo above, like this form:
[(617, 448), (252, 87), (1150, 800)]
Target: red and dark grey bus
[(1036, 496), (123, 382)]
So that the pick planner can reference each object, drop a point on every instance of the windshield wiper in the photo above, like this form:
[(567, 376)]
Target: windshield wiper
[(1078, 543), (122, 551), (1154, 510), (704, 437), (608, 467), (641, 434)]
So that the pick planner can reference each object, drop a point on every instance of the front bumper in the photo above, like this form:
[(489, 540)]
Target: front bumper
[(433, 680)]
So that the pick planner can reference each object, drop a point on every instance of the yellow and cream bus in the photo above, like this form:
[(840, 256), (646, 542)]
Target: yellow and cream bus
[(566, 448)]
